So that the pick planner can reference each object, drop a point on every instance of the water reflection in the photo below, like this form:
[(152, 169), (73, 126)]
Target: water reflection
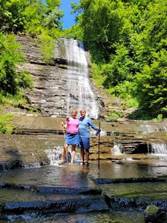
[(76, 175), (69, 175)]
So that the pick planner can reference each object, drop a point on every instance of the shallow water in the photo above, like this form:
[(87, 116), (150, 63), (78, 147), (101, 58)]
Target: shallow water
[(113, 217), (76, 175)]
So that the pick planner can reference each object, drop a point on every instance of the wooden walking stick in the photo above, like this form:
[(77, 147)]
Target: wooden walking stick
[(98, 159)]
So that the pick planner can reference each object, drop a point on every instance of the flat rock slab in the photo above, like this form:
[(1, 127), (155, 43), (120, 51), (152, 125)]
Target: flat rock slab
[(77, 205), (128, 180), (123, 203), (44, 189)]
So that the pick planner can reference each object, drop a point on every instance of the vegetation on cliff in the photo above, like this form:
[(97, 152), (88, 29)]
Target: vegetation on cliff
[(6, 125), (127, 41), (40, 19)]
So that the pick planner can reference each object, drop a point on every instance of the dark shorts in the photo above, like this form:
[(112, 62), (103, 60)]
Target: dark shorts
[(84, 143), (72, 139)]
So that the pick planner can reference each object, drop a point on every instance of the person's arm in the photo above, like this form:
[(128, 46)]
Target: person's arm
[(93, 126)]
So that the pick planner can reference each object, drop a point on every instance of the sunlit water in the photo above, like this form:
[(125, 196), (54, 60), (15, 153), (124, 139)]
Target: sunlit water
[(76, 176), (159, 150), (79, 91)]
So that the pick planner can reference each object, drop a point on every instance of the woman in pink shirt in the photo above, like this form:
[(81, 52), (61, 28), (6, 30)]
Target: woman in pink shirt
[(71, 137)]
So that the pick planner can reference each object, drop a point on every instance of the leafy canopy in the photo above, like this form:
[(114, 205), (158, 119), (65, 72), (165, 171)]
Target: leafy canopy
[(128, 41)]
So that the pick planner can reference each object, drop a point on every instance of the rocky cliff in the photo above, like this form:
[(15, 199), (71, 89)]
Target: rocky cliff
[(49, 94)]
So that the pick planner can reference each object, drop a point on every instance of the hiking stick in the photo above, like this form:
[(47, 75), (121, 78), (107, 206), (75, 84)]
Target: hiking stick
[(98, 159)]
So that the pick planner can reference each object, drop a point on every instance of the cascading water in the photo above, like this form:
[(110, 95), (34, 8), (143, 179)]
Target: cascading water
[(79, 92), (54, 155), (159, 148), (117, 149)]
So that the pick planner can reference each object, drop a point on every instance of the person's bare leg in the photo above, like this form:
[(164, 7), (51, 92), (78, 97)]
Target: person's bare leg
[(87, 156), (65, 148), (63, 155), (73, 153), (82, 153)]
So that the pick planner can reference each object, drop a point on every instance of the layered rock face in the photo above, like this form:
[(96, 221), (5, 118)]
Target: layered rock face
[(62, 84)]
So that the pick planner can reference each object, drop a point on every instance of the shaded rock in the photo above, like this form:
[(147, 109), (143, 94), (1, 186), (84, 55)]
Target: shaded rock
[(117, 203), (65, 190), (80, 205), (153, 214), (52, 189), (128, 180)]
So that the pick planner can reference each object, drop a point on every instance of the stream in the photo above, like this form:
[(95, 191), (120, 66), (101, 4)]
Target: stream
[(65, 183)]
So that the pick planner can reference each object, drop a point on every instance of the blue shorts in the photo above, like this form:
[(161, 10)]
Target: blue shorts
[(84, 143), (72, 139)]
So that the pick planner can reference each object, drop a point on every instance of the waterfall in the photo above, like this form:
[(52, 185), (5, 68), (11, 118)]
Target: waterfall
[(54, 155), (159, 148), (117, 149), (79, 92)]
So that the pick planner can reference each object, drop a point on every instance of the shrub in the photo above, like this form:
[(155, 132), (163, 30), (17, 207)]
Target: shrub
[(6, 125), (11, 81)]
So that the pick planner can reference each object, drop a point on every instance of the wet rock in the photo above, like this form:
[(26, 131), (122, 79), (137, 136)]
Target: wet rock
[(80, 205), (52, 189), (50, 92), (3, 166), (127, 180), (153, 214), (65, 190), (118, 203), (24, 131), (11, 164)]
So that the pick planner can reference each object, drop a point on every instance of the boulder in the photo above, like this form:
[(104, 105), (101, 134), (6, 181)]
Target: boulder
[(153, 214)]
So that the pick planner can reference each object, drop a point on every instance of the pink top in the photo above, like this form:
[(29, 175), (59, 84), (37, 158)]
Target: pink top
[(72, 125)]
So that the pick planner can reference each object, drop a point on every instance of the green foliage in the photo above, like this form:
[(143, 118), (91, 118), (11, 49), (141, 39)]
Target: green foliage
[(74, 32), (128, 41), (114, 116), (47, 40), (159, 117), (11, 81), (47, 45), (29, 16), (152, 86), (37, 18), (17, 100), (96, 73), (6, 125), (151, 210)]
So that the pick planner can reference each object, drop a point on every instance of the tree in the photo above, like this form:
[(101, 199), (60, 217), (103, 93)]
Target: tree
[(128, 41), (30, 16), (11, 81)]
